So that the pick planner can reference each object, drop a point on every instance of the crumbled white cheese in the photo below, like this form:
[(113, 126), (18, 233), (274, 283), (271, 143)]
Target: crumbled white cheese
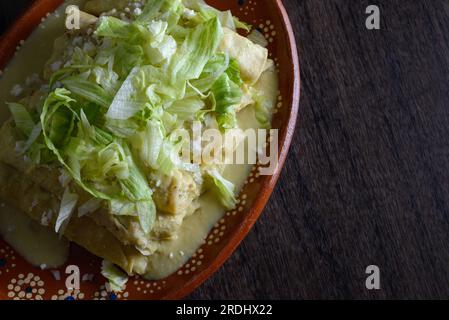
[(77, 41), (88, 46), (171, 255), (137, 11), (181, 253), (43, 266), (64, 178), (17, 90), (137, 4), (127, 9), (46, 218), (188, 14), (55, 66), (32, 79)]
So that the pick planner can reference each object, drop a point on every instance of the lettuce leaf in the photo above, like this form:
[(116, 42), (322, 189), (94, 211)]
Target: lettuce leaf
[(207, 12), (68, 204), (149, 142), (223, 188), (198, 48), (168, 10), (100, 164), (227, 95), (123, 105), (186, 109), (22, 118), (87, 90), (89, 206), (116, 277)]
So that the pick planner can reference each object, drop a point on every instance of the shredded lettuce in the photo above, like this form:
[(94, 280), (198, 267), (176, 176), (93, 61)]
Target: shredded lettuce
[(106, 78), (167, 10), (124, 106), (168, 158), (100, 164), (22, 118), (116, 277), (186, 109), (227, 95), (112, 27), (89, 206), (30, 143), (214, 69), (223, 188), (233, 72), (263, 111), (87, 90), (68, 204), (207, 12), (109, 117), (198, 48), (149, 143)]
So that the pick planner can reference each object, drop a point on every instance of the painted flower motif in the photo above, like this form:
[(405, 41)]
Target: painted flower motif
[(68, 294), (29, 287), (7, 257)]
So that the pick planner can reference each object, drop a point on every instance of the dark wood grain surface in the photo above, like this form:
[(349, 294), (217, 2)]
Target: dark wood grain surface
[(367, 178)]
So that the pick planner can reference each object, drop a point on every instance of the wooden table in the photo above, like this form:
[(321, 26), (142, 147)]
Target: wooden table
[(367, 179)]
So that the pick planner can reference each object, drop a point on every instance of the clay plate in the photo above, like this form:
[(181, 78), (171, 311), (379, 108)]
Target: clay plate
[(18, 279)]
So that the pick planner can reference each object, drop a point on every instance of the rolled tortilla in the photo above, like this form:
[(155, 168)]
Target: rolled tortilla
[(22, 193), (179, 191), (126, 229), (251, 57)]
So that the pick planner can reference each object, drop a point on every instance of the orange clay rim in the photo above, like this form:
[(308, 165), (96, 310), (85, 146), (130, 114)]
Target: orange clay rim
[(25, 25)]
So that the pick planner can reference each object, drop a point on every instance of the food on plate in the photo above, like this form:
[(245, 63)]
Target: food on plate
[(92, 150)]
